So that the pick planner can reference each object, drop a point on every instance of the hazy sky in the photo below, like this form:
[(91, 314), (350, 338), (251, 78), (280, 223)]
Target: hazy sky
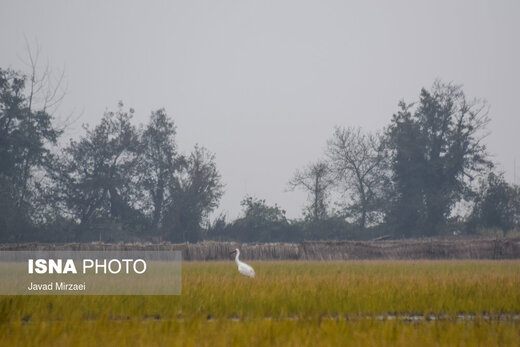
[(262, 83)]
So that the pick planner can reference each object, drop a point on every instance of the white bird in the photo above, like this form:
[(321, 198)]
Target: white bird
[(243, 268)]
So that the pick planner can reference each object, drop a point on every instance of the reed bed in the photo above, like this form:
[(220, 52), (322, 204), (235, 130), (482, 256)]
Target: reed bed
[(409, 249)]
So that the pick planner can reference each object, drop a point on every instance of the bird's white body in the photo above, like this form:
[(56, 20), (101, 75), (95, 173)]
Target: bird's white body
[(243, 268)]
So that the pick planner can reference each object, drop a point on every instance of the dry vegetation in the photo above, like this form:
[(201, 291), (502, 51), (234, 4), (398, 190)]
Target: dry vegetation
[(455, 248), (292, 302)]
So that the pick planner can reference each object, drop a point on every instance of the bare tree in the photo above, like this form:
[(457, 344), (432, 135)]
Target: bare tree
[(46, 89), (316, 180), (359, 165)]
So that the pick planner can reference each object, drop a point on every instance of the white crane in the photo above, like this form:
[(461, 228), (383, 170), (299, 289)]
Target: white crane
[(243, 268)]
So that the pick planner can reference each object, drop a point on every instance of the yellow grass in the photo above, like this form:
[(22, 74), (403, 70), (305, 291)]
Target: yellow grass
[(295, 303)]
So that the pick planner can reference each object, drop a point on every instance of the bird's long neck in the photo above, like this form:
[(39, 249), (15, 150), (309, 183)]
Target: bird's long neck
[(236, 258)]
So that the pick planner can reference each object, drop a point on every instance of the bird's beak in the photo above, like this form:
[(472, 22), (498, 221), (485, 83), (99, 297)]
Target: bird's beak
[(232, 252)]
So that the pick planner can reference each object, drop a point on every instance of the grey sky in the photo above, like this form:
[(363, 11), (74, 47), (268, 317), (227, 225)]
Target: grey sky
[(262, 83)]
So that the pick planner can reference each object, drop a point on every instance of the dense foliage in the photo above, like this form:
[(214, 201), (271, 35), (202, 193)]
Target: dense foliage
[(121, 182), (116, 183)]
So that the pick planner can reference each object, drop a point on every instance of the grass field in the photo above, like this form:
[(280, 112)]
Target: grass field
[(289, 303)]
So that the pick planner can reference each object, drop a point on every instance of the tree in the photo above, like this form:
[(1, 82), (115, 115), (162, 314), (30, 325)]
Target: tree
[(195, 193), (260, 213), (495, 204), (359, 164), (46, 90), (97, 176), (159, 164), (316, 180), (261, 222), (26, 136), (437, 151)]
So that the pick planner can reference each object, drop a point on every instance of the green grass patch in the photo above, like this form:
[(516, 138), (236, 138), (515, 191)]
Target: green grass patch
[(298, 303)]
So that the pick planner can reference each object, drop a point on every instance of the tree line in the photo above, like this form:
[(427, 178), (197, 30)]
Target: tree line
[(426, 174), (121, 182), (117, 182)]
